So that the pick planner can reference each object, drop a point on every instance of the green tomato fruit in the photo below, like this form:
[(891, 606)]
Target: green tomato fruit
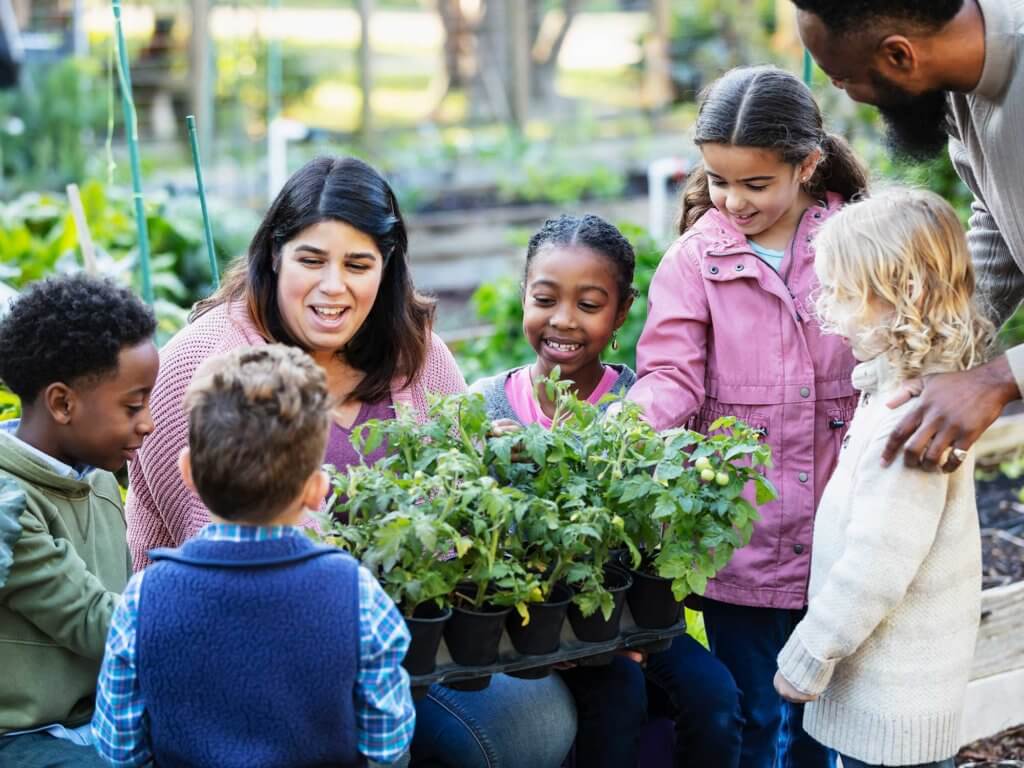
[(707, 475), (722, 478), (702, 463)]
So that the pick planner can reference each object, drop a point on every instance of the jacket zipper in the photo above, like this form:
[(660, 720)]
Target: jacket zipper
[(783, 278), (792, 257)]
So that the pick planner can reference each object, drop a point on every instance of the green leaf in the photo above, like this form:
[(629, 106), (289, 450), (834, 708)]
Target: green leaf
[(765, 491), (697, 582)]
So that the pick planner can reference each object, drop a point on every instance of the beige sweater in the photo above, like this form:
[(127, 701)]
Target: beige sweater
[(985, 146), (894, 596)]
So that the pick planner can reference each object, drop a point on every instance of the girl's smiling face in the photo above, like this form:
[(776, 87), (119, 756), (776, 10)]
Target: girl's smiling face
[(571, 309), (761, 194)]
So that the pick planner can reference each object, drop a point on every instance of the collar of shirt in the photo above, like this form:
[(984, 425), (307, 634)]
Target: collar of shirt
[(234, 532), (58, 466), (1000, 49)]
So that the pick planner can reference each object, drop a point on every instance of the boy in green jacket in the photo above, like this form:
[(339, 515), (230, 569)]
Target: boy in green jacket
[(79, 353)]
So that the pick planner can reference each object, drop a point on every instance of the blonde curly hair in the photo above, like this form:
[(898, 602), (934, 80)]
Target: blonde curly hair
[(896, 278)]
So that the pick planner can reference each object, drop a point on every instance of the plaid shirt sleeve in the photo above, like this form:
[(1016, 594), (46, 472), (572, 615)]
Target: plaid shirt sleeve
[(119, 723), (385, 716)]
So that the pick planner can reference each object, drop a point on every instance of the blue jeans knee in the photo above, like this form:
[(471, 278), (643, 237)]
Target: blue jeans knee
[(688, 684), (510, 723)]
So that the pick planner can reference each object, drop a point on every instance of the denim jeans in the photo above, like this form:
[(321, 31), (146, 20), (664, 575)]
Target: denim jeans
[(512, 723), (849, 762), (685, 683), (748, 641), (41, 750)]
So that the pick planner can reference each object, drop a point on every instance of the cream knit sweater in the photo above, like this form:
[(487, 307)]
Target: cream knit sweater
[(894, 596)]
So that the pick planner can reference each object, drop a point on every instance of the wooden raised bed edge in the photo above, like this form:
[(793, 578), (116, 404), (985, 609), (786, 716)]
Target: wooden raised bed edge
[(995, 696)]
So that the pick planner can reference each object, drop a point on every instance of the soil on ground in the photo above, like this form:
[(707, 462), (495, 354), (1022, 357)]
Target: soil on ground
[(1001, 513), (1004, 750)]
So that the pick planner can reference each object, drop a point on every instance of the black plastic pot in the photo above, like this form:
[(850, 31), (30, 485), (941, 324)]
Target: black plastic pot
[(594, 628), (543, 632), (651, 601), (426, 627), (472, 635)]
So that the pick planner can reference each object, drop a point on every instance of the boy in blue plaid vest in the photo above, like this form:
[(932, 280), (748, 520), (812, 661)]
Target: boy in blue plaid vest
[(251, 645)]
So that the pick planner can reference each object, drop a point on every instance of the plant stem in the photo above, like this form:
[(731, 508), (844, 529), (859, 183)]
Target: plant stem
[(554, 578)]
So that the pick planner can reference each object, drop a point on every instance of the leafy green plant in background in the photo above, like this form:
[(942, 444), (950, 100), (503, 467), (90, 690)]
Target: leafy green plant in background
[(561, 184), (499, 305), (38, 237), (10, 406), (49, 125)]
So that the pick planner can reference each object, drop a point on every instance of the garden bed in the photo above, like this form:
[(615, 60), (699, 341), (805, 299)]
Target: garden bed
[(1005, 746), (995, 697), (1001, 514)]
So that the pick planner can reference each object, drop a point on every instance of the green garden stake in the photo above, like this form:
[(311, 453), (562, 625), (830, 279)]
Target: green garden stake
[(131, 129), (808, 68), (190, 121)]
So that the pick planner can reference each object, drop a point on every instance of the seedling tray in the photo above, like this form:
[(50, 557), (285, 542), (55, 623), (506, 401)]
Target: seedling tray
[(510, 661)]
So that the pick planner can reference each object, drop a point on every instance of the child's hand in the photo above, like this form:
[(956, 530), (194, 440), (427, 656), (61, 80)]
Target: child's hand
[(501, 427), (789, 693)]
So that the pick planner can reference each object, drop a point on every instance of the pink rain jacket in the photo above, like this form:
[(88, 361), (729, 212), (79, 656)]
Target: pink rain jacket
[(728, 335)]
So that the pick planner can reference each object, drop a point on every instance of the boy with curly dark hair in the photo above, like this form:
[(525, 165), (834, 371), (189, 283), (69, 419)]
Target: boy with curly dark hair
[(945, 73), (79, 353)]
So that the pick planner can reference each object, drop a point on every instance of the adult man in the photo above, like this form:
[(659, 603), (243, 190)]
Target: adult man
[(946, 71)]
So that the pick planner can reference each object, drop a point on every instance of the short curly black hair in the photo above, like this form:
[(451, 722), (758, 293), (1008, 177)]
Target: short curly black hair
[(842, 15), (595, 233), (67, 329)]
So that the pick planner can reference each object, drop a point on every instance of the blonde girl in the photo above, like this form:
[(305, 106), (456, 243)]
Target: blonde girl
[(883, 654)]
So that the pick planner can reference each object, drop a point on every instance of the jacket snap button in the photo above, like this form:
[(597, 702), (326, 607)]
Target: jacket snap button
[(713, 270), (802, 477), (805, 392), (798, 549), (739, 267)]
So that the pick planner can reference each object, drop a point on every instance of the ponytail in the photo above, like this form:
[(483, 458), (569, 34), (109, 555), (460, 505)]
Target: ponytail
[(696, 200), (840, 171)]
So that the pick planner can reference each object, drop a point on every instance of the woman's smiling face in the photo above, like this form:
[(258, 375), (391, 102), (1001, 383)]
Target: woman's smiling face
[(328, 278)]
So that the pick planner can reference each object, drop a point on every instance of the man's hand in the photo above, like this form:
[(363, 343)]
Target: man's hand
[(954, 409), (789, 693)]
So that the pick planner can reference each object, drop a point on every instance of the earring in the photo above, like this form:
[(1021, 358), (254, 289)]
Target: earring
[(615, 341)]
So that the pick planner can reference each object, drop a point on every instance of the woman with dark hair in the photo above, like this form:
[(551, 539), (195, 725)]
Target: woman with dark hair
[(328, 271)]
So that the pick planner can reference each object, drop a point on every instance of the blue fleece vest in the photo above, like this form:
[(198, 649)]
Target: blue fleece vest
[(247, 654)]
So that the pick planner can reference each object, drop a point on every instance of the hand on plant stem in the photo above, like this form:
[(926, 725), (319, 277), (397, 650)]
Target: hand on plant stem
[(791, 694), (502, 427), (954, 410)]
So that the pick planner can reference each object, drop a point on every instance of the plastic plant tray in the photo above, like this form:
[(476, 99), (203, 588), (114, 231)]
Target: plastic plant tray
[(570, 649)]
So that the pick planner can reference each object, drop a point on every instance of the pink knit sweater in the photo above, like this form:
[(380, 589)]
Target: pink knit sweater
[(161, 511)]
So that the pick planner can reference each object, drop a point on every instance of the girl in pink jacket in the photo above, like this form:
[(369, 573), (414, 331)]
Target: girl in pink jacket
[(730, 331)]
